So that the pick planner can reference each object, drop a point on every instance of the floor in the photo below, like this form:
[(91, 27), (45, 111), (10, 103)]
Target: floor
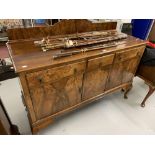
[(111, 115)]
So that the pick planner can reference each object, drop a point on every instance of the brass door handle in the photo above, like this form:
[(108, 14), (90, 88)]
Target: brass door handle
[(119, 57), (40, 79), (75, 70), (80, 89)]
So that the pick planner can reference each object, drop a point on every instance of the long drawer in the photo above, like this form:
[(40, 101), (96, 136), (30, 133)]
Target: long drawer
[(53, 74), (100, 62), (128, 54)]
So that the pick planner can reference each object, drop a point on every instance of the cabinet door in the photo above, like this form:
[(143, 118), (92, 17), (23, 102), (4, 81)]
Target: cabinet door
[(58, 90), (129, 69), (124, 67), (96, 76)]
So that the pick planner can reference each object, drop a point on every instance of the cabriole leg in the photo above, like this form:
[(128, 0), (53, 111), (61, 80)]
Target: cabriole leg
[(127, 89), (150, 92)]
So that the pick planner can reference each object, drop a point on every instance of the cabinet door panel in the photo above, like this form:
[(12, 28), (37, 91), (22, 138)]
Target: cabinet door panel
[(122, 72), (115, 77), (51, 98), (130, 69), (96, 76), (55, 89), (95, 82), (124, 67)]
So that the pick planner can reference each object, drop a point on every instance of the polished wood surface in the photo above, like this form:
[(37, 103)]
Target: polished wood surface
[(31, 57), (61, 28), (57, 88), (53, 87), (125, 65), (96, 76)]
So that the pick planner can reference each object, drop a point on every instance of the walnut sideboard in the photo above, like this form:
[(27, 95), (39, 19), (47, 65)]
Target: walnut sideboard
[(54, 87)]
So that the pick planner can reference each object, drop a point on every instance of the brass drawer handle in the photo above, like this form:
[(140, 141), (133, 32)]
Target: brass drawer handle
[(75, 71), (119, 57), (40, 79), (80, 90)]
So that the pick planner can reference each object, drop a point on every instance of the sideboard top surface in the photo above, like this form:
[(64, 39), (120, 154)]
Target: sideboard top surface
[(32, 57)]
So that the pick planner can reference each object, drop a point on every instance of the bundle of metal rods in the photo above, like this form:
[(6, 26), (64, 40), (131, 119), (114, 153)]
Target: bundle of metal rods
[(87, 49), (78, 40)]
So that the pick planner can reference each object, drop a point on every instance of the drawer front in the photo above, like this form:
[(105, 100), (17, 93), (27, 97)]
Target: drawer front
[(100, 62), (51, 75), (128, 54)]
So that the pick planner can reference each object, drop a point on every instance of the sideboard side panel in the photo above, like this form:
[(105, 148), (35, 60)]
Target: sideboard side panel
[(27, 98)]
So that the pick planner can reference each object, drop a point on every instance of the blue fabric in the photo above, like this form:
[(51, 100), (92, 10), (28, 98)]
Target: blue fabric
[(141, 27), (40, 21)]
